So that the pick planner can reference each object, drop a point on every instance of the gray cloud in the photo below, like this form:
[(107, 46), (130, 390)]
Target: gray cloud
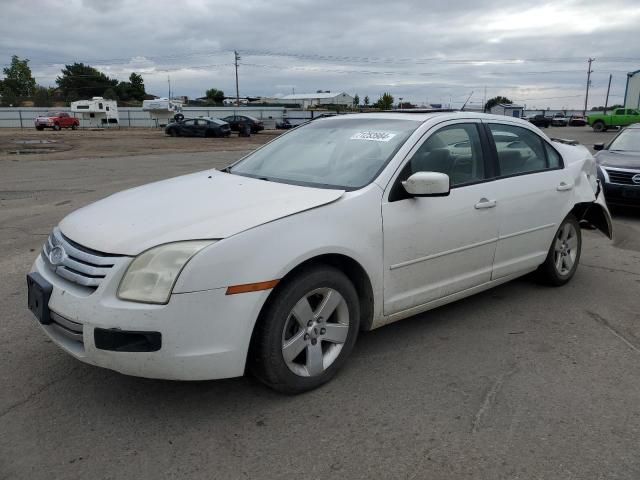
[(533, 51)]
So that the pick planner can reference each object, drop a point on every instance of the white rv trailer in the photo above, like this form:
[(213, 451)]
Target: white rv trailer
[(97, 112), (162, 110)]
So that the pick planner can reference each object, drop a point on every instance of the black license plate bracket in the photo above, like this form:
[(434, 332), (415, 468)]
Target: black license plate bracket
[(39, 293)]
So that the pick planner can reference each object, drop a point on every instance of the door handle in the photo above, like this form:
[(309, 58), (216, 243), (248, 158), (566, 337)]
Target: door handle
[(564, 186), (485, 203)]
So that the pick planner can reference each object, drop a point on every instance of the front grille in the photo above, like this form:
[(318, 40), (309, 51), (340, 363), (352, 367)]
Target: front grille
[(76, 263), (622, 177)]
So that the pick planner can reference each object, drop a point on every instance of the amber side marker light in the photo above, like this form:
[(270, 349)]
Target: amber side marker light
[(251, 287)]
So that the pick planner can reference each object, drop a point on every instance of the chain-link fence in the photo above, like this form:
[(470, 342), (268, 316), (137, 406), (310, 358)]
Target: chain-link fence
[(23, 117)]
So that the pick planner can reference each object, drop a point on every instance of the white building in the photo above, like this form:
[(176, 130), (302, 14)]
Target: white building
[(632, 92), (162, 110), (97, 112), (507, 109), (306, 100)]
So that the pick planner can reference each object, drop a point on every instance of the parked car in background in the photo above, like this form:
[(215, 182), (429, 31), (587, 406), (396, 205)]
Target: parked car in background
[(577, 121), (283, 124), (56, 120), (198, 127), (540, 121), (235, 121), (559, 120), (275, 264), (619, 167), (620, 117)]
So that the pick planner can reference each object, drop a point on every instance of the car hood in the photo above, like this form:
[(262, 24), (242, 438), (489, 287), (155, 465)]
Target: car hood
[(607, 158), (203, 205)]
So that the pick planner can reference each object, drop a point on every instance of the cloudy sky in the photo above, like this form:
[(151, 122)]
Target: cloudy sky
[(533, 51)]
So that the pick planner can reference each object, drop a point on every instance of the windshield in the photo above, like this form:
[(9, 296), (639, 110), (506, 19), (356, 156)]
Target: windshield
[(627, 141), (345, 153)]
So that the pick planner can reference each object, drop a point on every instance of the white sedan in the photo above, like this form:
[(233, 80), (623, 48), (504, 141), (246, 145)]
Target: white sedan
[(344, 224)]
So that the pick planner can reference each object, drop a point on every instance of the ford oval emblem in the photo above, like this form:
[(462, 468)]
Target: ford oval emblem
[(636, 179), (57, 255)]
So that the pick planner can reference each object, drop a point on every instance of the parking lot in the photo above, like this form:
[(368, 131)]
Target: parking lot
[(522, 381)]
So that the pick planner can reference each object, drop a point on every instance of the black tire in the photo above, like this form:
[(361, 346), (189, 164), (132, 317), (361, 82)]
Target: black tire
[(74, 127), (548, 272), (56, 127), (40, 129), (173, 132), (267, 361), (599, 127)]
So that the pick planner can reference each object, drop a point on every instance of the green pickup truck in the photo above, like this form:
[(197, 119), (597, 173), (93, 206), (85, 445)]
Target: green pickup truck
[(621, 117)]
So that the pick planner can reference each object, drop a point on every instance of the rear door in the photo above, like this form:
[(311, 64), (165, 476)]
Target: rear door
[(533, 194), (438, 246), (187, 128)]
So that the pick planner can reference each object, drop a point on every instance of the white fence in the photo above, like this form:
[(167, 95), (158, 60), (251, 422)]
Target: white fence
[(22, 117)]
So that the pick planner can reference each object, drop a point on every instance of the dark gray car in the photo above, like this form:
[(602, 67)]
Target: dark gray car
[(619, 167)]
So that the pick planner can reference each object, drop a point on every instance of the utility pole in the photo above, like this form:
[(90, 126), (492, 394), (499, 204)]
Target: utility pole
[(169, 82), (237, 57), (586, 97), (606, 102)]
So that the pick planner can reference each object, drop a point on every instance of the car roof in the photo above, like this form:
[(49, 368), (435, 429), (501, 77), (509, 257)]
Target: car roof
[(426, 116), (634, 126)]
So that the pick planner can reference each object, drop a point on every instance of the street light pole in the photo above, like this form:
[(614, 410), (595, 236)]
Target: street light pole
[(237, 57), (586, 96)]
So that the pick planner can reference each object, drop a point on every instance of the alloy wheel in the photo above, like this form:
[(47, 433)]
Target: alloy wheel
[(315, 332), (565, 249)]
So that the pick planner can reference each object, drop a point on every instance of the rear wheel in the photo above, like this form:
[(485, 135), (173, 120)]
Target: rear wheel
[(307, 331), (564, 254), (599, 127)]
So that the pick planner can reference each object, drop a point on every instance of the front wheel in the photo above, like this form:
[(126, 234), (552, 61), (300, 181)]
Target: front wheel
[(74, 127), (56, 127), (564, 254), (307, 331)]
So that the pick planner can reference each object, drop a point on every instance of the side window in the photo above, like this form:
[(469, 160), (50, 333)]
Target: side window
[(552, 157), (519, 149), (189, 123), (455, 150), (100, 106)]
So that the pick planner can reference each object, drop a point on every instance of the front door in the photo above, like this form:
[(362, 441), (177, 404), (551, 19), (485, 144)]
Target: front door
[(438, 246)]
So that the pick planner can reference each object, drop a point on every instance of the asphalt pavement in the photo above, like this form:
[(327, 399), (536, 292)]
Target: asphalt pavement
[(519, 382)]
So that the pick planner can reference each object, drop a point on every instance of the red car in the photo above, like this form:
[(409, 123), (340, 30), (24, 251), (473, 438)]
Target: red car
[(56, 120)]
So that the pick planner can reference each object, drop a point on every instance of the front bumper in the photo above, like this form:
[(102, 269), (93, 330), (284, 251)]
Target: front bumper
[(205, 334), (627, 195)]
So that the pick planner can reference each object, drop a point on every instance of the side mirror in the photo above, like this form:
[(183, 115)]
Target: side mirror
[(427, 184), (598, 146)]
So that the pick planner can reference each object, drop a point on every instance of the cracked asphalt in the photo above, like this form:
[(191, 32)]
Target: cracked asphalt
[(520, 382)]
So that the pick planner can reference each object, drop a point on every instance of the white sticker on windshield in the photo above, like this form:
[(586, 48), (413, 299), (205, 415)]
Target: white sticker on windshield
[(373, 136)]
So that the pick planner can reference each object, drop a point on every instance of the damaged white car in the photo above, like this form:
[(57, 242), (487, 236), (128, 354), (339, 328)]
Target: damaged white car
[(344, 224)]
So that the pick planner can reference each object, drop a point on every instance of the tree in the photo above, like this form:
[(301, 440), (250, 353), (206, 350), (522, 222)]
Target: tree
[(215, 96), (356, 101), (110, 93), (385, 102), (366, 101), (18, 81), (41, 97), (492, 102), (137, 86), (83, 80)]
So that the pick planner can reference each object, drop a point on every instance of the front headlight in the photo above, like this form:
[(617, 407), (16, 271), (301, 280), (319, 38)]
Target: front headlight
[(151, 276)]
